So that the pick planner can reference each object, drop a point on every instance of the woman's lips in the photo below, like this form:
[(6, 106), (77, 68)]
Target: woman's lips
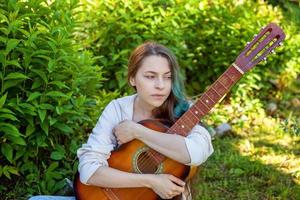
[(158, 96)]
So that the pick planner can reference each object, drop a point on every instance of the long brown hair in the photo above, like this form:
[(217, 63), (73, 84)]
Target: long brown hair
[(173, 107)]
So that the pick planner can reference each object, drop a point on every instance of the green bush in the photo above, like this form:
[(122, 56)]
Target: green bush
[(47, 94), (206, 36)]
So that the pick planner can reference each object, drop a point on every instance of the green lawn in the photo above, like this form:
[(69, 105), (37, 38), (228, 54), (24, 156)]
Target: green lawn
[(258, 161)]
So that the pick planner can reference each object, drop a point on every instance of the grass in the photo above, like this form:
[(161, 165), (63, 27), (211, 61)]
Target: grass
[(252, 165), (259, 159)]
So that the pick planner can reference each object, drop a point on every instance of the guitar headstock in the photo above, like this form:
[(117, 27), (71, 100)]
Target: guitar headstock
[(260, 47)]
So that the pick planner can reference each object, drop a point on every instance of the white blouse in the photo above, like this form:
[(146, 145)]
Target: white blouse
[(102, 141)]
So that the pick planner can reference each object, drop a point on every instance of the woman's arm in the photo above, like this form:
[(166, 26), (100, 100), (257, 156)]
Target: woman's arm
[(113, 178), (172, 146), (166, 186), (191, 150)]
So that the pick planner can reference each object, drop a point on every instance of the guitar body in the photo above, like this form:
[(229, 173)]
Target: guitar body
[(133, 157)]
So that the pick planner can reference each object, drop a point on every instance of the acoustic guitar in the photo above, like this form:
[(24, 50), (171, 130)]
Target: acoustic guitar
[(136, 157)]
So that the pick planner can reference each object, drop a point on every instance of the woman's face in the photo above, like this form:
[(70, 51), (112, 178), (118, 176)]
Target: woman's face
[(153, 80)]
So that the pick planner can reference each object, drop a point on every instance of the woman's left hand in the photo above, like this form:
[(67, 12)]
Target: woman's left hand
[(126, 131)]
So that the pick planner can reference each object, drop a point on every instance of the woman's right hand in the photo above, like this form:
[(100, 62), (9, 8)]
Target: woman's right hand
[(166, 186)]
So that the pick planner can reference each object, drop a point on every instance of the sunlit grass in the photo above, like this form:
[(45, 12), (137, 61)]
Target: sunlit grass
[(259, 159)]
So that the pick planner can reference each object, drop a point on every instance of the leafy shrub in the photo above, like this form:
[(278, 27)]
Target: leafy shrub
[(47, 94), (206, 36)]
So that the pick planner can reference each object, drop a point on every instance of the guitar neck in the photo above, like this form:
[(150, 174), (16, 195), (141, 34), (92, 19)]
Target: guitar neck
[(268, 39), (207, 101)]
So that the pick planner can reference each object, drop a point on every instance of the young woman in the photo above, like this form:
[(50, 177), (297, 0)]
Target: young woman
[(154, 73)]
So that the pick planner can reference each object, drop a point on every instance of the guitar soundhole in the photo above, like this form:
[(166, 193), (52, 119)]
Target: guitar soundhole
[(145, 163)]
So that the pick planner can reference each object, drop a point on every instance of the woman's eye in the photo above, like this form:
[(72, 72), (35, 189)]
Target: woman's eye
[(168, 77), (150, 77)]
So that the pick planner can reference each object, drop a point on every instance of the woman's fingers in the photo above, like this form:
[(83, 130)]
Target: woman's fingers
[(176, 180), (178, 187)]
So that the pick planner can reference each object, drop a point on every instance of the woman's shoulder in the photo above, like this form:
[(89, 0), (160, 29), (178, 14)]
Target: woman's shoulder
[(125, 100), (122, 107)]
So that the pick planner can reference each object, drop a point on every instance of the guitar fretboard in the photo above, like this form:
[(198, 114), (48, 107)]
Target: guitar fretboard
[(206, 102)]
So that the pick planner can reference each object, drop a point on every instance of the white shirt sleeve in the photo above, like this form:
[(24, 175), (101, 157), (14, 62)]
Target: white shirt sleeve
[(100, 143), (199, 145)]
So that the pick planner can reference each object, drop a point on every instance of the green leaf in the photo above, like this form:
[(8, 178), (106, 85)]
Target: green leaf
[(59, 184), (37, 83), (13, 170), (15, 25), (27, 106), (7, 151), (16, 139), (8, 116), (50, 181), (41, 74), (11, 83), (73, 146), (6, 172), (59, 110), (51, 65), (16, 75), (57, 94), (46, 106), (52, 166), (13, 63), (42, 114), (52, 121), (5, 110), (63, 127), (4, 30), (4, 18), (9, 129), (57, 155), (45, 126), (29, 130), (2, 100), (33, 96), (59, 84), (11, 44)]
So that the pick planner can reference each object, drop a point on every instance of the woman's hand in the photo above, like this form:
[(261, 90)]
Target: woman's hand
[(166, 186), (126, 131)]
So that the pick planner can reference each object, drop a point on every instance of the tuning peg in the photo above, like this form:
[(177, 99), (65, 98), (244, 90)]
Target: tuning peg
[(265, 59), (280, 44), (248, 43), (273, 52), (262, 28), (255, 35)]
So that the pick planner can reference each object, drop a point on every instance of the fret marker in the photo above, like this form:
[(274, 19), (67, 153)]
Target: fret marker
[(182, 126), (237, 67), (196, 112), (206, 101)]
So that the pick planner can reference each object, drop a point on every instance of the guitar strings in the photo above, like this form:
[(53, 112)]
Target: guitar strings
[(148, 159)]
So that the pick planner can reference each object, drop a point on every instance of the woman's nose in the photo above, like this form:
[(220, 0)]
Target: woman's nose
[(159, 83)]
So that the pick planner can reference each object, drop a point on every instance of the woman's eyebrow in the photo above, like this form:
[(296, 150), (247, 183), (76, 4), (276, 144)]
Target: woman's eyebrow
[(156, 72)]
